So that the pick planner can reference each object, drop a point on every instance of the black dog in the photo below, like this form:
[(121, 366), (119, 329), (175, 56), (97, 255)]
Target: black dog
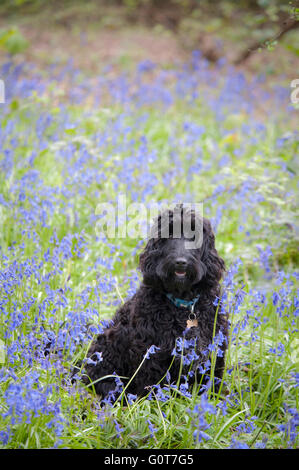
[(179, 285)]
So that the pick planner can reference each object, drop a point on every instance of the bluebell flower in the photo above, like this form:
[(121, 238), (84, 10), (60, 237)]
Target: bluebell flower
[(199, 435), (184, 388), (151, 427), (118, 428), (261, 445), (290, 428), (94, 362), (199, 421), (275, 298), (131, 398), (4, 437), (246, 426), (152, 350), (145, 66), (238, 444), (279, 350)]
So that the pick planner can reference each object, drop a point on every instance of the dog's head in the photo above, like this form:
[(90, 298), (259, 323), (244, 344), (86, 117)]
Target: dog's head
[(181, 253)]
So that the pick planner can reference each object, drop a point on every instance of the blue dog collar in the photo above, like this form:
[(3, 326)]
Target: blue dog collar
[(183, 303)]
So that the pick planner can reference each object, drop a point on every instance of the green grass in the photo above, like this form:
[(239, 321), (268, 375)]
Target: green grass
[(53, 177)]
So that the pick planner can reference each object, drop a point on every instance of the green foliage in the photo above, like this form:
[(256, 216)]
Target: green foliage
[(13, 41), (60, 159), (263, 355)]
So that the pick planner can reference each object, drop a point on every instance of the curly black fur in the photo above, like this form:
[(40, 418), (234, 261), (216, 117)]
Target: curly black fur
[(150, 318)]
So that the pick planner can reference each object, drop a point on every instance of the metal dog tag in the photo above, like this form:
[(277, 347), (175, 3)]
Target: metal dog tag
[(192, 320), (192, 323)]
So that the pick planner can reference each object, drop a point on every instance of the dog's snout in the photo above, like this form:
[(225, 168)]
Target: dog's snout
[(180, 263)]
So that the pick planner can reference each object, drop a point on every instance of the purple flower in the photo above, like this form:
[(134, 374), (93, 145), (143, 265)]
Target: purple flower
[(279, 350), (246, 426), (152, 350), (199, 419), (131, 398), (151, 427), (118, 428), (238, 444), (97, 358), (290, 428), (4, 437), (275, 298)]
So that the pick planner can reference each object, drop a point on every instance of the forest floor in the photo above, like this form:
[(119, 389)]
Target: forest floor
[(94, 36)]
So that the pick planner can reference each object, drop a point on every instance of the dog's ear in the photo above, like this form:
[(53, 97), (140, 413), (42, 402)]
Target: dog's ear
[(215, 265), (147, 263)]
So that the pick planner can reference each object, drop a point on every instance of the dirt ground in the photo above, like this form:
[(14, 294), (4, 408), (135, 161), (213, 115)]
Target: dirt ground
[(93, 39)]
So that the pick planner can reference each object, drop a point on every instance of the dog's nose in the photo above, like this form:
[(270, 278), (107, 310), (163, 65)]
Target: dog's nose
[(180, 263)]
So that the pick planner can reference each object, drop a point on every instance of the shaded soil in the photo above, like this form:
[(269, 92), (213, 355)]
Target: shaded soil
[(93, 38)]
